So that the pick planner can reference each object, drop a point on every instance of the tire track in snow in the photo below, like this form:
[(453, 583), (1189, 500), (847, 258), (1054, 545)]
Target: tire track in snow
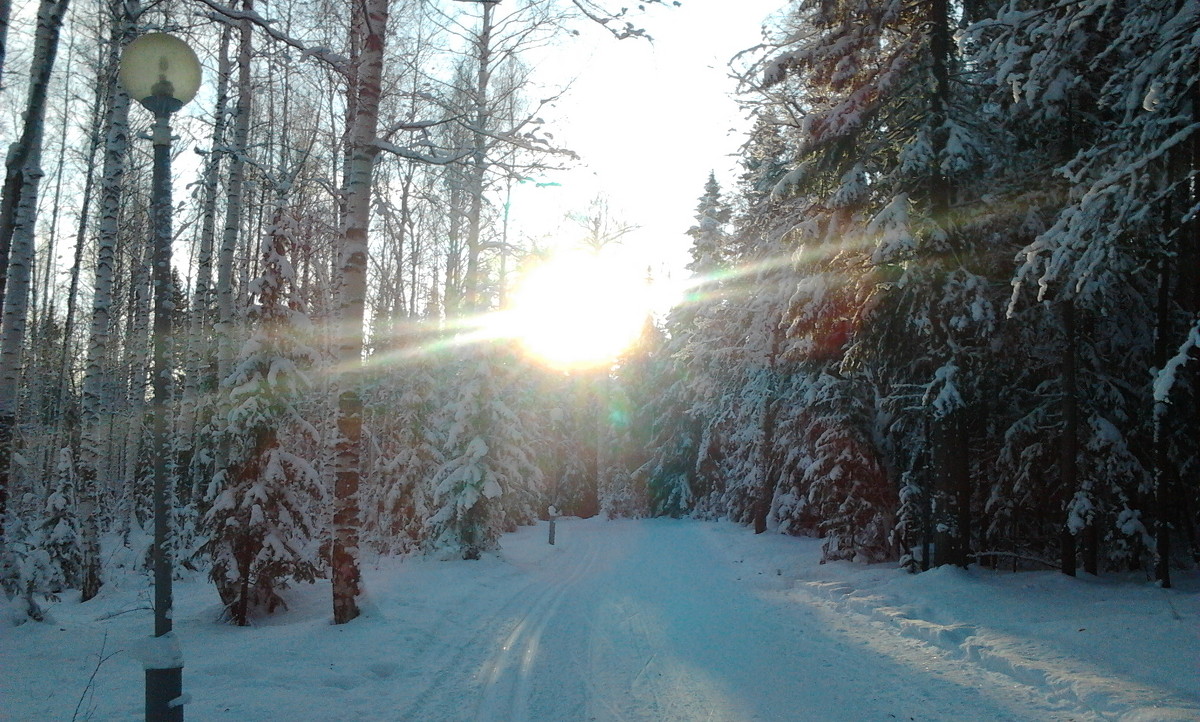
[(634, 669)]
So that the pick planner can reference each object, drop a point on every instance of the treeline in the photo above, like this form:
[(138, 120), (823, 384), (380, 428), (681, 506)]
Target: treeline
[(946, 314), (341, 231)]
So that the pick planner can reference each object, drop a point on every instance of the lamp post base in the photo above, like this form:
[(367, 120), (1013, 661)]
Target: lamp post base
[(164, 687)]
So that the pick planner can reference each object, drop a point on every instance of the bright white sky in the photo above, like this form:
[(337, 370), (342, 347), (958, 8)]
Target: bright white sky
[(650, 121)]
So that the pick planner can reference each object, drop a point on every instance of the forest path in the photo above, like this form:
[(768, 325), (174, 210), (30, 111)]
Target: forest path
[(654, 620), (657, 620)]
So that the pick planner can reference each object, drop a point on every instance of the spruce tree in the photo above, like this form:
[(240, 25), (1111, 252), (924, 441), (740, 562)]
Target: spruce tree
[(263, 524)]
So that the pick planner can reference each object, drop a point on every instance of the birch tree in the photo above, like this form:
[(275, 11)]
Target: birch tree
[(200, 378), (368, 34), (18, 215), (94, 404)]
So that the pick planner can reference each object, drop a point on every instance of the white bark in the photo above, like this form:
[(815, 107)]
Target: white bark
[(368, 29), (228, 334), (234, 202), (23, 173), (136, 365), (479, 158), (94, 403), (196, 407)]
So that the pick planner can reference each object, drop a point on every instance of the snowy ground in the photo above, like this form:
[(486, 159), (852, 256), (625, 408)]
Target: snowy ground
[(641, 620)]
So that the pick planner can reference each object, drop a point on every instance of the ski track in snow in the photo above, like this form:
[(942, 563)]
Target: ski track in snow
[(508, 671), (620, 624)]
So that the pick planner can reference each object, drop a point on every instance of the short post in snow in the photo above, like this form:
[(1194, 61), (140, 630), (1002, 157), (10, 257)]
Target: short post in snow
[(162, 73), (552, 512)]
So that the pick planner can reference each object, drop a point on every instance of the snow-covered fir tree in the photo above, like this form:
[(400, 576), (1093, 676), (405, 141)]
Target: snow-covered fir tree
[(622, 493), (406, 418), (264, 523), (57, 533), (489, 482), (710, 241)]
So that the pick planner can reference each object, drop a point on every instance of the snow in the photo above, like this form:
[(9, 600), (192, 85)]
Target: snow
[(641, 620), (1164, 380), (163, 652)]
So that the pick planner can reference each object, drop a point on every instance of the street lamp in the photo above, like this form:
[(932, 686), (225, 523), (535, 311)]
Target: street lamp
[(162, 73)]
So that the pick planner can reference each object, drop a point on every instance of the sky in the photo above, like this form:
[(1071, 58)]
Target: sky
[(650, 121)]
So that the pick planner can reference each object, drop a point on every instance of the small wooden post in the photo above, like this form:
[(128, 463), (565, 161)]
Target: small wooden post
[(553, 513)]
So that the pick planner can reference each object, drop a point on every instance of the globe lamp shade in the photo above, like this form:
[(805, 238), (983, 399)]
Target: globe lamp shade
[(161, 72)]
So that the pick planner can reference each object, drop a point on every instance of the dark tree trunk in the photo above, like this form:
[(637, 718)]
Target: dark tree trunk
[(766, 465), (5, 19), (940, 49), (952, 489), (1091, 548), (1069, 444), (1163, 502)]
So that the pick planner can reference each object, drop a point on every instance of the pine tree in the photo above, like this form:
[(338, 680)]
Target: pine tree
[(622, 493), (685, 365), (1118, 102), (671, 434), (710, 240)]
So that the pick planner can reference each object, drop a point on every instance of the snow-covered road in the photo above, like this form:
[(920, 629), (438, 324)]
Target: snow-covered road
[(640, 620), (654, 621)]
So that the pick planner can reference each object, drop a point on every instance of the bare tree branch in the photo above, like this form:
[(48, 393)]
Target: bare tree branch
[(603, 18), (411, 154), (415, 125), (222, 13)]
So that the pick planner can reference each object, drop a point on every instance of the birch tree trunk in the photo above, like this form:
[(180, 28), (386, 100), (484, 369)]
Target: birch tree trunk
[(136, 366), (234, 202), (18, 214), (483, 49), (227, 335), (5, 16), (368, 28), (200, 379), (116, 145)]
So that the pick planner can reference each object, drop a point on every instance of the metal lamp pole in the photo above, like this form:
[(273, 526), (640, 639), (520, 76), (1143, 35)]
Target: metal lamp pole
[(162, 73)]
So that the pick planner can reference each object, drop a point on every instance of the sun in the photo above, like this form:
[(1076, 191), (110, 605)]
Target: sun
[(580, 309)]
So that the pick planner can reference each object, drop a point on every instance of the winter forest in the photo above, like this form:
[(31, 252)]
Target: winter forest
[(944, 316)]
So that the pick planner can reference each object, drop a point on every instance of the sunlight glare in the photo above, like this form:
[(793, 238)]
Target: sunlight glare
[(580, 310)]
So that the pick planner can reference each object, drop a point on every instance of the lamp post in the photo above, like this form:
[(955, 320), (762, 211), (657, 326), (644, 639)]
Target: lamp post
[(162, 73)]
